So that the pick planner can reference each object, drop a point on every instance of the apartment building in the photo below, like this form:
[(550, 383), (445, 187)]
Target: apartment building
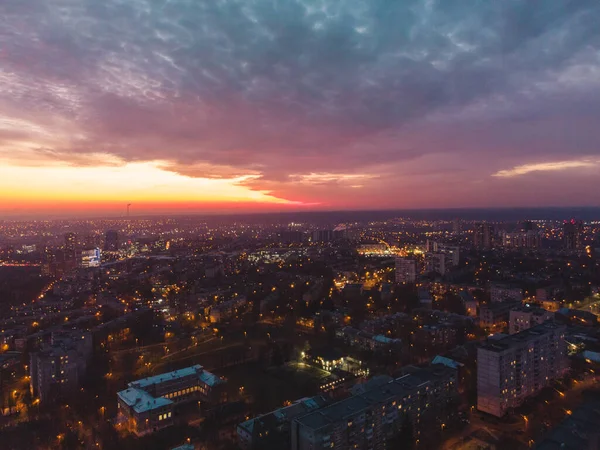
[(525, 316), (368, 419), (515, 367)]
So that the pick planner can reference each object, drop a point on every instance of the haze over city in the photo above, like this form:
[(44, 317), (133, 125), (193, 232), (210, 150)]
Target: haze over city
[(240, 106)]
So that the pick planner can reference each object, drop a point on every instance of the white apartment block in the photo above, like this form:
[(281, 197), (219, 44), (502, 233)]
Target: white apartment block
[(515, 367)]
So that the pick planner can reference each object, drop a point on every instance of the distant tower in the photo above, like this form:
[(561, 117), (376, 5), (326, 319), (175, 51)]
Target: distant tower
[(128, 206), (456, 227), (70, 246), (572, 235), (483, 237), (111, 241)]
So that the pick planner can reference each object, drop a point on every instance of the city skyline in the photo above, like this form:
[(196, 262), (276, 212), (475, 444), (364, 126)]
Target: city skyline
[(259, 106)]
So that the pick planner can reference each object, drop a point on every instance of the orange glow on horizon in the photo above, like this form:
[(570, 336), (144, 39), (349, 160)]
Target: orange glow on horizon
[(150, 188)]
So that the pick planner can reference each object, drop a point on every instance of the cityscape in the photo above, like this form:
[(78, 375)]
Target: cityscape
[(253, 332), (299, 225)]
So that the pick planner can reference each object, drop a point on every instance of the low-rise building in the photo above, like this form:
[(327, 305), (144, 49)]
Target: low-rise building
[(495, 316), (469, 301), (365, 340), (147, 405), (504, 293), (226, 310), (525, 316)]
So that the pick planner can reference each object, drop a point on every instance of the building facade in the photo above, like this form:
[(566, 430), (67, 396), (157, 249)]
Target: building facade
[(406, 270), (525, 317), (56, 369)]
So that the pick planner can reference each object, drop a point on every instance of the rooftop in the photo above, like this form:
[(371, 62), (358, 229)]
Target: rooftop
[(535, 310), (157, 379), (515, 340), (380, 392), (273, 419), (141, 401), (209, 378), (446, 362)]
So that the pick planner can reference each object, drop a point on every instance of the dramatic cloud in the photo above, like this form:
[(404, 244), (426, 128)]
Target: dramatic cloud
[(546, 167), (360, 103)]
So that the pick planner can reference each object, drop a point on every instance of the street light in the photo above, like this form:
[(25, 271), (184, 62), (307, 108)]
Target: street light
[(526, 419)]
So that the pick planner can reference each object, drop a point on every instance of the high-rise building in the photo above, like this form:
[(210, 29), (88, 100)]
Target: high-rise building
[(440, 257), (368, 419), (435, 262), (483, 236), (406, 270), (291, 236), (515, 367), (322, 236), (573, 235), (111, 241), (456, 227), (57, 368), (70, 246)]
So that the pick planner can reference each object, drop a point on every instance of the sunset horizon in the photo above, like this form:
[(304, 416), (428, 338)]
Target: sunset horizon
[(225, 105)]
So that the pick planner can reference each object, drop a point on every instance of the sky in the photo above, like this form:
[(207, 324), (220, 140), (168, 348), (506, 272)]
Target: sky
[(282, 105)]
